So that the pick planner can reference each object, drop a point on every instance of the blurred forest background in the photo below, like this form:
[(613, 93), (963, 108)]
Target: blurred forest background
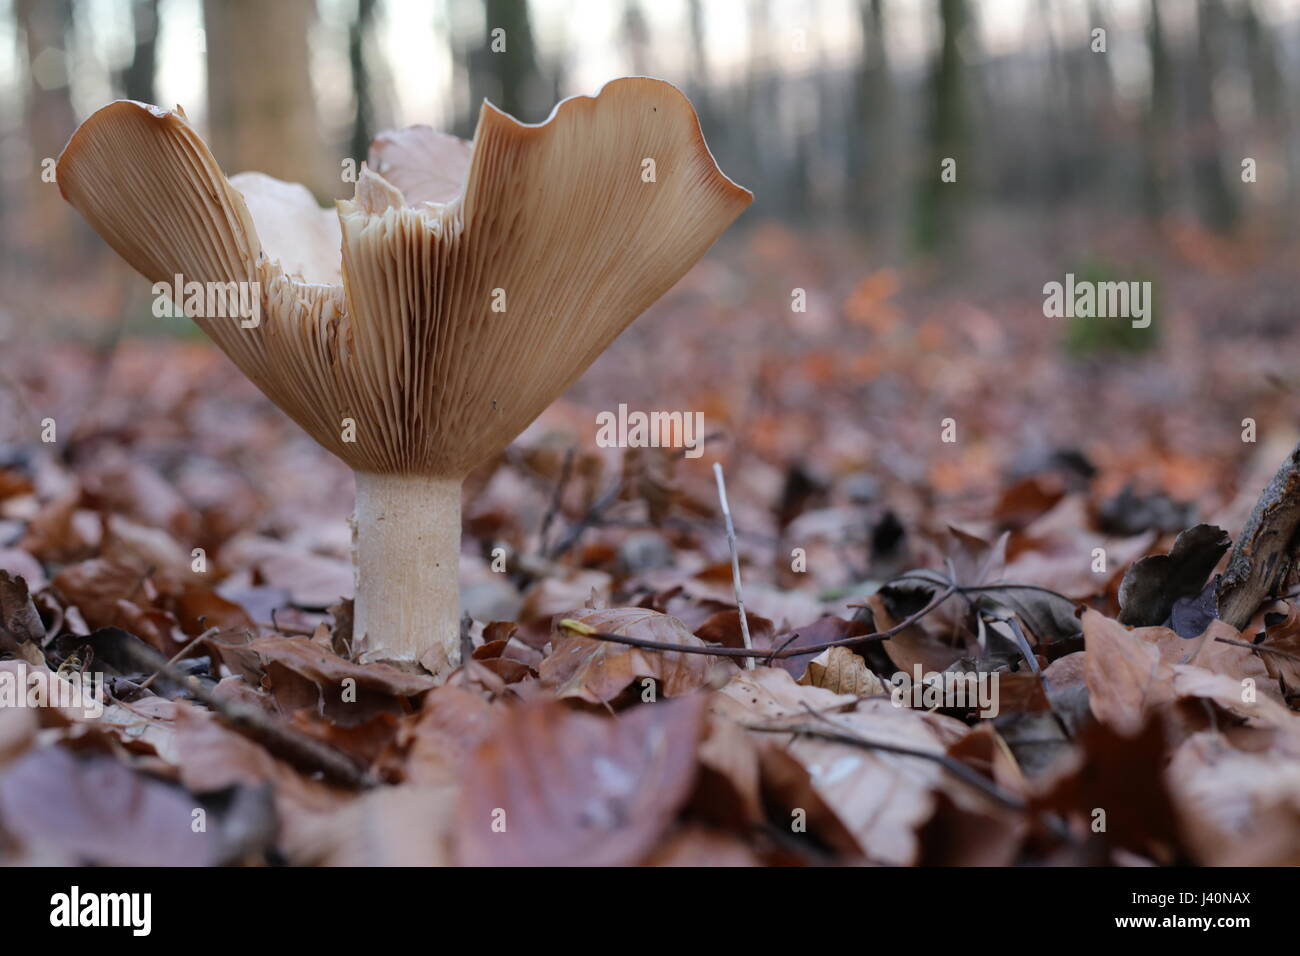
[(834, 112)]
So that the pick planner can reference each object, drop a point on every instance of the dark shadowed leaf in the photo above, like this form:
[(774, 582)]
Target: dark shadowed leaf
[(1123, 778), (820, 631), (1150, 588)]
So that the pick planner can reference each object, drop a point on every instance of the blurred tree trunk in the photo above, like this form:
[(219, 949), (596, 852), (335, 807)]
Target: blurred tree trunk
[(1099, 106), (1156, 124), (769, 145), (137, 80), (1266, 80), (42, 217), (936, 219), (261, 106), (699, 50), (1274, 122), (466, 87), (870, 141), (1215, 200), (509, 79), (514, 72), (635, 35), (1058, 162), (363, 120), (717, 135)]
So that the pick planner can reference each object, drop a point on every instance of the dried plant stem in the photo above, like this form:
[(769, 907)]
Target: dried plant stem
[(955, 767), (406, 546), (735, 562), (779, 654), (210, 632)]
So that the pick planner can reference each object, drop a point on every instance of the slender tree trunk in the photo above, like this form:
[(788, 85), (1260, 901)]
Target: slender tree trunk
[(936, 212), (261, 105), (515, 72), (42, 214), (634, 34), (699, 64), (363, 122), (137, 80), (870, 141), (1156, 183), (1215, 201)]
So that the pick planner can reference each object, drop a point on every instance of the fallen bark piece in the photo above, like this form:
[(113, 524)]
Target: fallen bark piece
[(1264, 552)]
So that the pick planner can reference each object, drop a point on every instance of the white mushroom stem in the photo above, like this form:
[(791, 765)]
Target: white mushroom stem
[(407, 554)]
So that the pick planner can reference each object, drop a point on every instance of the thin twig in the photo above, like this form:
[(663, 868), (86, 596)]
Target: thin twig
[(286, 629), (578, 627), (1018, 635), (735, 562), (466, 646), (290, 629), (958, 769), (954, 767), (595, 514), (1260, 648), (975, 589), (592, 517), (794, 636), (557, 500), (210, 632)]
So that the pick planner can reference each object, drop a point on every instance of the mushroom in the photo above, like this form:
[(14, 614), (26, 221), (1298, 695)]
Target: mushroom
[(477, 281)]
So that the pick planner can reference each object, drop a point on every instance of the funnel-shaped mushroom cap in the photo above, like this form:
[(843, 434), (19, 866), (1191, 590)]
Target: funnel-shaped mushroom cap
[(475, 283)]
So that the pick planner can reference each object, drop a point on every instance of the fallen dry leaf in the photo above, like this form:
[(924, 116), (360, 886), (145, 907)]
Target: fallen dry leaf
[(1125, 676), (392, 826), (881, 797), (212, 758), (450, 726), (552, 787), (19, 621), (767, 693), (840, 671), (1282, 633), (302, 674), (94, 809), (1240, 806), (600, 671), (1115, 794), (695, 845)]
